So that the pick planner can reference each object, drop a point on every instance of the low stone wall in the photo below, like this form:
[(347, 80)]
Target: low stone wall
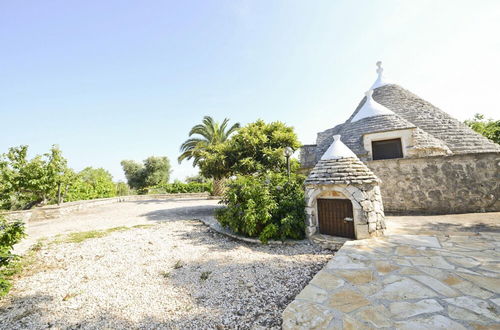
[(56, 211), (442, 184)]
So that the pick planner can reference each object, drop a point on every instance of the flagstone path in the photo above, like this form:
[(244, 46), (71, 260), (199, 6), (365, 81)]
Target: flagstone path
[(405, 282)]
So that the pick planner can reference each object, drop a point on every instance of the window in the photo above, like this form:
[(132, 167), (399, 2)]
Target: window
[(387, 149)]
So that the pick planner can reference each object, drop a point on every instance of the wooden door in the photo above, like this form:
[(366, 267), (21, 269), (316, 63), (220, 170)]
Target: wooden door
[(335, 217)]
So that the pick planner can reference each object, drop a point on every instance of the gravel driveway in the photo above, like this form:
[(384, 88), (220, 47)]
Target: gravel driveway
[(173, 274)]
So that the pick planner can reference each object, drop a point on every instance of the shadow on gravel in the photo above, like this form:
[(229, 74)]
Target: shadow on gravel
[(181, 213), (25, 312), (202, 235), (31, 312), (165, 201)]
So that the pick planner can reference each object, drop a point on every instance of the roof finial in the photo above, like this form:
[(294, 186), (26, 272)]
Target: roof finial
[(381, 80), (380, 69), (369, 93)]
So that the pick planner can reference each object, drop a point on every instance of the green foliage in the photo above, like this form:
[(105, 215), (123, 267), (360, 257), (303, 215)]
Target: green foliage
[(79, 237), (25, 183), (10, 234), (180, 187), (122, 189), (153, 171), (255, 148), (210, 133), (487, 127), (46, 179), (91, 183), (266, 205), (196, 178)]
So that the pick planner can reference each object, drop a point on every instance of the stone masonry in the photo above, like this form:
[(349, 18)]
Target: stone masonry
[(346, 178), (404, 282)]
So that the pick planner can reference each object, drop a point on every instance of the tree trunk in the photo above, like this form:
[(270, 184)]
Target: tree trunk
[(219, 186), (59, 194)]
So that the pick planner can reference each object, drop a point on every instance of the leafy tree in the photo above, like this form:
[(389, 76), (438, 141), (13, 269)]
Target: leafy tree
[(134, 172), (10, 234), (26, 183), (91, 183), (487, 127), (153, 171), (122, 189), (157, 171), (210, 134), (256, 148)]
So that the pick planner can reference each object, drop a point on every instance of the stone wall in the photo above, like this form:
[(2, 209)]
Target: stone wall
[(442, 184), (56, 211)]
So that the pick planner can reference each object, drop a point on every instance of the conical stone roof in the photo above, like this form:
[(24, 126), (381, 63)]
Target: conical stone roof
[(339, 165), (371, 109)]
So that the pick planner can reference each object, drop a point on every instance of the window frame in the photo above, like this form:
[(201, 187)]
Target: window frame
[(397, 141)]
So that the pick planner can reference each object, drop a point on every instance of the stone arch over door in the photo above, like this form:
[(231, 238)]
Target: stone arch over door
[(366, 202)]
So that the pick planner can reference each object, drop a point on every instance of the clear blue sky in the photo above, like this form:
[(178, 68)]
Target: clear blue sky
[(112, 80)]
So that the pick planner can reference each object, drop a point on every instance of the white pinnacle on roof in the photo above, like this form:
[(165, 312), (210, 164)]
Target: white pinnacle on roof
[(338, 150), (381, 80), (371, 108)]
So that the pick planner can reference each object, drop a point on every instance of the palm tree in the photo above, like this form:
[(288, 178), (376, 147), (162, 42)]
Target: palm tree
[(210, 133)]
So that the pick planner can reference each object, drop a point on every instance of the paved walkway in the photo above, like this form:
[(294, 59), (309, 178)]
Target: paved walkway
[(405, 282)]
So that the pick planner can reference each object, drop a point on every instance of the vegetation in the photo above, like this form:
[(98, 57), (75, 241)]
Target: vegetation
[(153, 171), (122, 189), (25, 183), (85, 235), (487, 127), (180, 187), (255, 148), (261, 201), (204, 275), (91, 183), (210, 134), (46, 179), (10, 234), (267, 206)]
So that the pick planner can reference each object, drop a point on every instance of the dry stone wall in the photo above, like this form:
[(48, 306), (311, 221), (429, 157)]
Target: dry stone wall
[(56, 211), (442, 184)]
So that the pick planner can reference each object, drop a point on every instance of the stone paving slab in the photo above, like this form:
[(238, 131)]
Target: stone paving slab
[(404, 282)]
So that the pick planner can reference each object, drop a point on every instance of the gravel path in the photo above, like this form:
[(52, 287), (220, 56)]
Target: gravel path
[(177, 274), (118, 214)]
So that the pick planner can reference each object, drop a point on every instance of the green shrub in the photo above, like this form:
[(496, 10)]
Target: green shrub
[(180, 187), (91, 183), (267, 206), (10, 234)]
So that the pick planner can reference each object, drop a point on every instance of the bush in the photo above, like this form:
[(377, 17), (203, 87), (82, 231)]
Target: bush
[(267, 206), (10, 234), (180, 187), (91, 183)]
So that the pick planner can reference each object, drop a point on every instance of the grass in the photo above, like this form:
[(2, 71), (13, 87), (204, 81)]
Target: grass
[(204, 276), (70, 295), (143, 226), (165, 274), (178, 264), (85, 235)]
